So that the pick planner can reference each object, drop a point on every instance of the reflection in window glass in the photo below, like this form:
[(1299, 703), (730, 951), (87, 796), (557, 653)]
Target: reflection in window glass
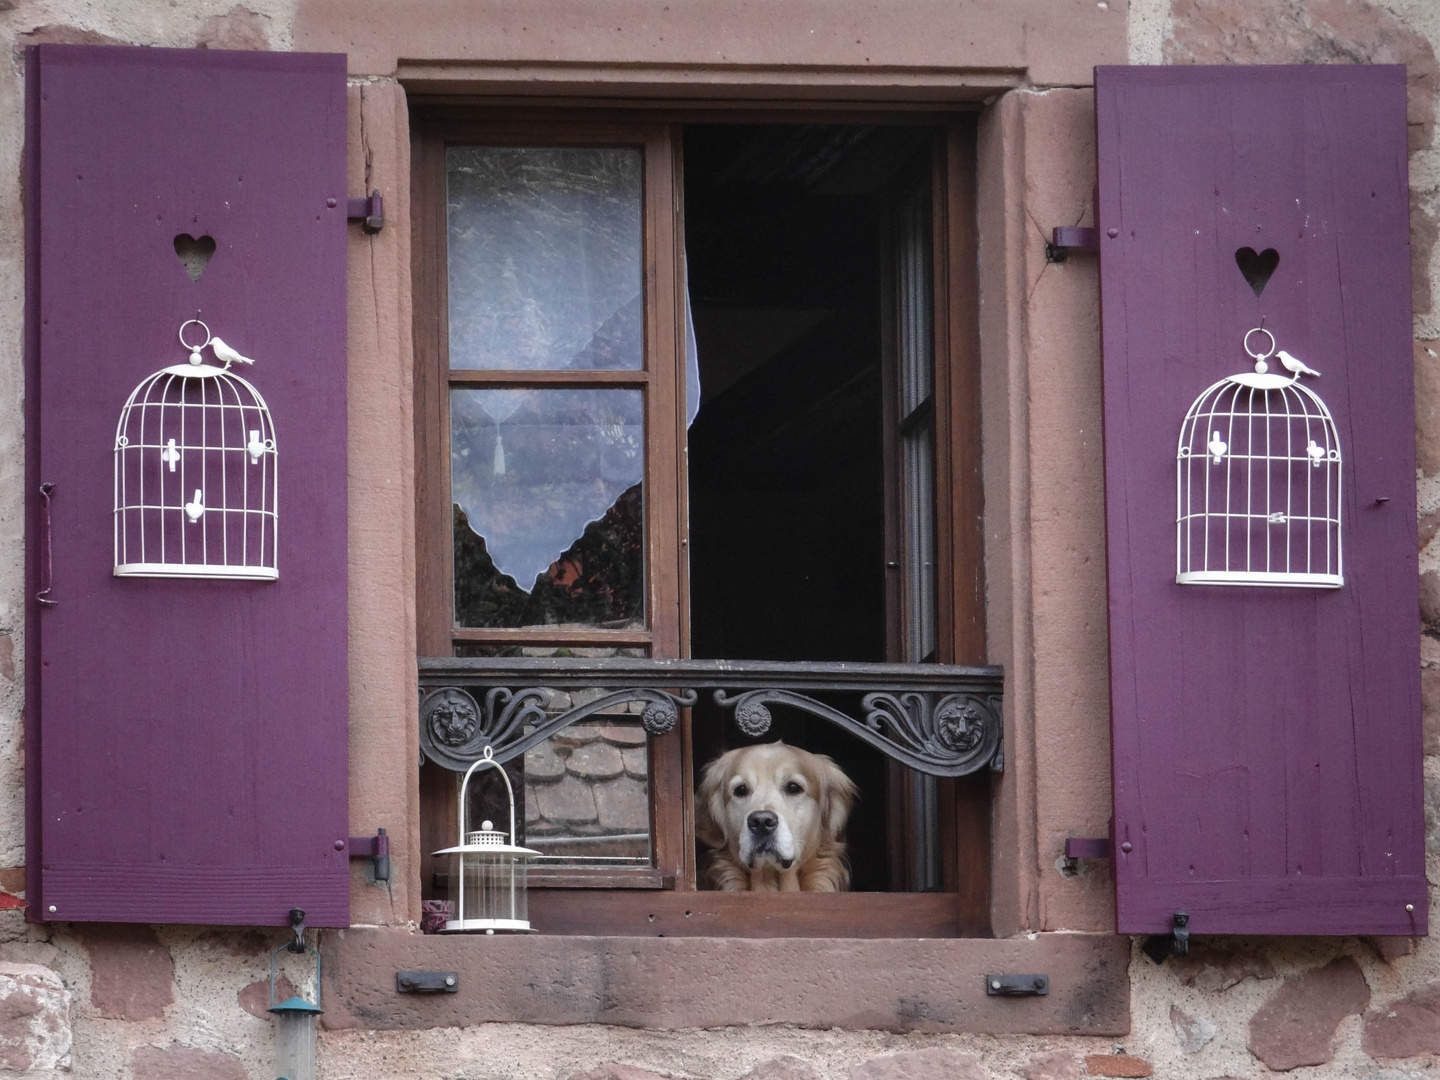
[(548, 508), (545, 250), (587, 790)]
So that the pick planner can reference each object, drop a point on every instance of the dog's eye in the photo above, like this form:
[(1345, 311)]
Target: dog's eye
[(741, 790), (793, 788)]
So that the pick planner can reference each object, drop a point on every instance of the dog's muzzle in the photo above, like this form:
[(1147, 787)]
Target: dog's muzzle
[(762, 825)]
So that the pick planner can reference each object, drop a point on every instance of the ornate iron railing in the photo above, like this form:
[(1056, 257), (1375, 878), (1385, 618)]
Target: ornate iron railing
[(939, 719)]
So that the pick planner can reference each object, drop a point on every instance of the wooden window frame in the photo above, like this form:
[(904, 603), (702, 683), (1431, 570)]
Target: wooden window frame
[(632, 901)]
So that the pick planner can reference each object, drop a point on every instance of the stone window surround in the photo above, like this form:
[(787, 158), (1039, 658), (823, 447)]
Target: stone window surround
[(1036, 164)]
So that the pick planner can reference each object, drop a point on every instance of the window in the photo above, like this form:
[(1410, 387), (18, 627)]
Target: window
[(693, 411)]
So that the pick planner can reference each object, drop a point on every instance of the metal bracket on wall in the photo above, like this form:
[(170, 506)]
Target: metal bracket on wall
[(1017, 985), (427, 982), (1176, 943), (375, 848), (369, 210), (1066, 239)]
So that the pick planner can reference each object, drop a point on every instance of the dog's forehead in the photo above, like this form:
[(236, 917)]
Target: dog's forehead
[(775, 762)]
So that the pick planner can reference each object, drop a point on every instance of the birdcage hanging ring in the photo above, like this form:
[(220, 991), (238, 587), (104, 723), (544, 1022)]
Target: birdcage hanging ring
[(1260, 365), (196, 472)]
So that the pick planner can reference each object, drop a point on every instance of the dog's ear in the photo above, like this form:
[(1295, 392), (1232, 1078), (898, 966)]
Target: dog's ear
[(710, 802), (837, 795)]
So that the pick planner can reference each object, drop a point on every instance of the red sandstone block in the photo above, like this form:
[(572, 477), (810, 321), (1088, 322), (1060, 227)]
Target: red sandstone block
[(1116, 1065)]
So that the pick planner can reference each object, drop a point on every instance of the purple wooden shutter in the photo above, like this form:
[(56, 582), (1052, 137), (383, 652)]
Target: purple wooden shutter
[(186, 739), (1267, 753)]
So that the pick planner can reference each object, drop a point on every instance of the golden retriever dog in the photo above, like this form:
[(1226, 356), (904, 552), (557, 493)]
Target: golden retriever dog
[(774, 815)]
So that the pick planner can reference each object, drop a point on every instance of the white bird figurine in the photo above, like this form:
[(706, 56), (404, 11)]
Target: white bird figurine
[(255, 447), (195, 508), (1294, 366), (226, 354), (170, 455), (1217, 447), (1316, 452)]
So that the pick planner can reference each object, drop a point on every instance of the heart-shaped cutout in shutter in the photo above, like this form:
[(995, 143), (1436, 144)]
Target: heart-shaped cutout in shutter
[(194, 253), (1257, 268)]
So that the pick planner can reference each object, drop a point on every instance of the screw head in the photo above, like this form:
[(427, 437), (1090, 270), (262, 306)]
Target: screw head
[(52, 909), (1127, 847), (339, 845), (1408, 907), (449, 980), (1112, 232), (994, 984), (332, 203)]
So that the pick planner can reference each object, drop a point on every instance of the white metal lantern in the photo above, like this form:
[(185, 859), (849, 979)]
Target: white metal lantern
[(195, 473), (1258, 483), (487, 876)]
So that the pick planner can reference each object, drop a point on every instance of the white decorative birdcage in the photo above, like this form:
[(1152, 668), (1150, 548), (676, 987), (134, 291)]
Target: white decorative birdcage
[(1258, 484), (195, 473)]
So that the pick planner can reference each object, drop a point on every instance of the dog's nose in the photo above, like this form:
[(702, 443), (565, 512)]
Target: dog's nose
[(761, 822)]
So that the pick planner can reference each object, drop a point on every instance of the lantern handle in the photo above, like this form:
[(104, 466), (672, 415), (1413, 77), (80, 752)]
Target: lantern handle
[(289, 946), (487, 759)]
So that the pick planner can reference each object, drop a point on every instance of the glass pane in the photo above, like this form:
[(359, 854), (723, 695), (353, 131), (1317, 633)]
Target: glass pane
[(920, 544), (548, 509), (915, 304), (464, 649), (544, 258), (587, 790)]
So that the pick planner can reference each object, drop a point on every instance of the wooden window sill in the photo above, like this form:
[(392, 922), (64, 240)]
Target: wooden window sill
[(744, 914)]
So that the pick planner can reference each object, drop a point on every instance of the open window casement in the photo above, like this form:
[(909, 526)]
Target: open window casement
[(186, 747), (684, 396), (1267, 743)]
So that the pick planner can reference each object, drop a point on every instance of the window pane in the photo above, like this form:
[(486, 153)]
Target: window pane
[(916, 308), (548, 509), (587, 790), (920, 543), (544, 258)]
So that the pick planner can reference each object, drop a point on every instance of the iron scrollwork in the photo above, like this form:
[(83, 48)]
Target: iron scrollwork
[(455, 729), (944, 720), (939, 734)]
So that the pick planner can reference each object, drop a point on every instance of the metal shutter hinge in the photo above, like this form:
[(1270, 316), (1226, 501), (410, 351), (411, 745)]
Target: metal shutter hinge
[(1067, 238), (1084, 847), (369, 210), (375, 848)]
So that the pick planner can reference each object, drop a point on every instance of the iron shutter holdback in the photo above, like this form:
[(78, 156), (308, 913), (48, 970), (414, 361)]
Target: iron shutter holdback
[(196, 472)]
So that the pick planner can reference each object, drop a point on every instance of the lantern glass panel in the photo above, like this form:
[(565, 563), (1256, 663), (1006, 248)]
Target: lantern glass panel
[(295, 1045), (494, 891)]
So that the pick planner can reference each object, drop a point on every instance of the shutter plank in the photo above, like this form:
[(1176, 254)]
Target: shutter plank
[(192, 733), (1267, 760)]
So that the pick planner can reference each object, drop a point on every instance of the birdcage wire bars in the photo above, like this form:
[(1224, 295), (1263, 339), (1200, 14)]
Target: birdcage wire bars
[(196, 470), (1258, 487)]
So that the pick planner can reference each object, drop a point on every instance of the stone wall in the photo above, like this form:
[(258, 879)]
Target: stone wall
[(170, 1002)]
